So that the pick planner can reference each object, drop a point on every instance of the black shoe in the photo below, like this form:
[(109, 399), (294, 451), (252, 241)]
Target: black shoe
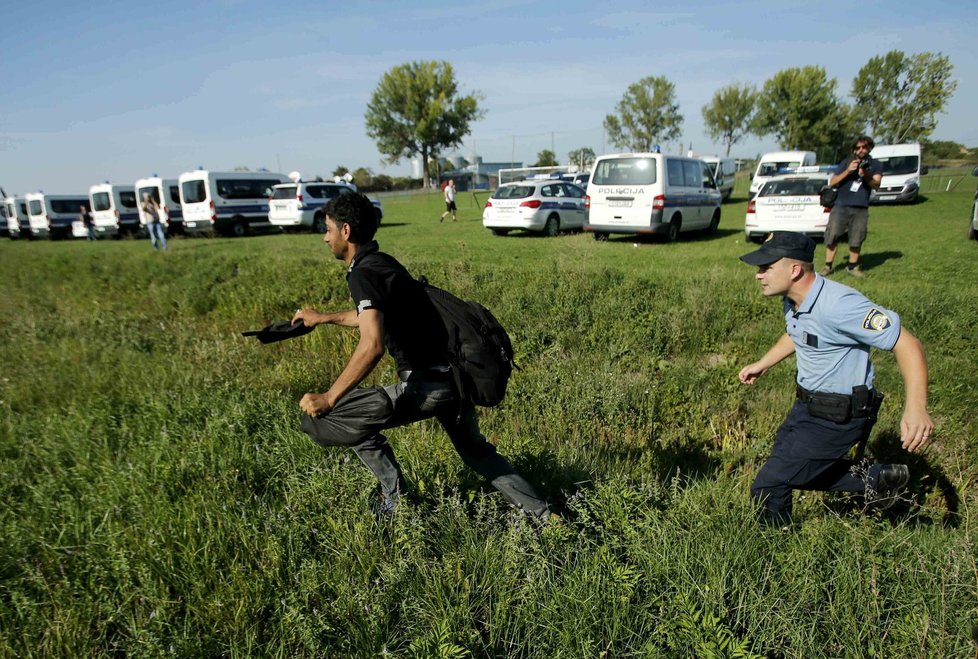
[(385, 506), (889, 484)]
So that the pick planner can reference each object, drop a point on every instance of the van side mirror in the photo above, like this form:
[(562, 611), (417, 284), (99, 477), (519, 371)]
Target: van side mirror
[(923, 170), (974, 172), (750, 175)]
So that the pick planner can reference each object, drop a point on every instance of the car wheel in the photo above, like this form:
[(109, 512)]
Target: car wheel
[(972, 234), (714, 223), (239, 229), (673, 232), (600, 235), (319, 224), (500, 232), (756, 239), (552, 227)]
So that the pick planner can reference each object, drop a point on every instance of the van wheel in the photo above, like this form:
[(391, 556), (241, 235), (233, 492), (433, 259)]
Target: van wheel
[(552, 227), (500, 232), (714, 223), (673, 232), (319, 224), (972, 234), (601, 235), (239, 229)]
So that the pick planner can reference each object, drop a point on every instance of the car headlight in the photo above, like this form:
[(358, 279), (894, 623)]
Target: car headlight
[(912, 181)]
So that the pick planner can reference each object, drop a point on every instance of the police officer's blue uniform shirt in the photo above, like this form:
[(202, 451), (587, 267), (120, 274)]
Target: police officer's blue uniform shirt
[(833, 329)]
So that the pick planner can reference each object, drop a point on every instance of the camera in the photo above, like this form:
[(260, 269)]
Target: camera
[(864, 163)]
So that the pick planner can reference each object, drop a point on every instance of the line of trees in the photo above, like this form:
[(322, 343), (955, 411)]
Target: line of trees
[(417, 109)]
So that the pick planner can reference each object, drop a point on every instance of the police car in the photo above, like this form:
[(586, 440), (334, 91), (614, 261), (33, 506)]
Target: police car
[(302, 203), (789, 202), (543, 206)]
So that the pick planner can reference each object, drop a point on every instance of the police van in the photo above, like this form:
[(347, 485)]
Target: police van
[(902, 170), (51, 215), (301, 204), (166, 192), (229, 203), (651, 193), (724, 173), (778, 162), (18, 222), (114, 209)]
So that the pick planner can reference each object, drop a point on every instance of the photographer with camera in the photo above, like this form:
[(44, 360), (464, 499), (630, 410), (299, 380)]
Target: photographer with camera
[(854, 178)]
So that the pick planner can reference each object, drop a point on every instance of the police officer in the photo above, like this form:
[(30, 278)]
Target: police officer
[(830, 329), (855, 178), (394, 313)]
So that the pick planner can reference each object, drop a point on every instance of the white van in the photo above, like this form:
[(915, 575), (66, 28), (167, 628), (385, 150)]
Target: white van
[(114, 209), (18, 221), (166, 192), (651, 193), (778, 162), (51, 215), (724, 173), (229, 203), (15, 217), (902, 170)]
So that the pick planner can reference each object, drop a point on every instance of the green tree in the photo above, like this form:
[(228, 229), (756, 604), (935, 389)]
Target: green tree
[(945, 150), (340, 171), (546, 158), (647, 114), (899, 96), (417, 109), (583, 157), (728, 115), (363, 178), (800, 108)]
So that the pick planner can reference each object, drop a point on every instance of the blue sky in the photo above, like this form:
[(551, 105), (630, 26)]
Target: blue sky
[(117, 91)]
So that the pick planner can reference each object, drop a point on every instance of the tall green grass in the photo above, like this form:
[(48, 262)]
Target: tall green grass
[(159, 499)]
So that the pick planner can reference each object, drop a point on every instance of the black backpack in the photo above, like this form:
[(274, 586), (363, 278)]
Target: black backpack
[(479, 350)]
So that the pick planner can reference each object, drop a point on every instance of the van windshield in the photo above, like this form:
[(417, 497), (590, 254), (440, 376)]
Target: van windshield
[(287, 192), (771, 168), (899, 164), (193, 192), (35, 205), (152, 191), (624, 171), (100, 201)]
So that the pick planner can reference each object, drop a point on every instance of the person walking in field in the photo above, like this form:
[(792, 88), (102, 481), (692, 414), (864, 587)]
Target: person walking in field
[(394, 314), (87, 221), (450, 207), (830, 329), (157, 234)]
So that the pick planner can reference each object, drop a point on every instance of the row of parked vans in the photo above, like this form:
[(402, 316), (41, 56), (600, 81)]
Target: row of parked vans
[(201, 201)]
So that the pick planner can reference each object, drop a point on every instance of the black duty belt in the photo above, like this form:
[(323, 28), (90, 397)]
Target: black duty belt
[(864, 402)]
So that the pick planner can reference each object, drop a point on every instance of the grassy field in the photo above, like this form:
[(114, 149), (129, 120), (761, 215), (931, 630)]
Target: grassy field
[(160, 500)]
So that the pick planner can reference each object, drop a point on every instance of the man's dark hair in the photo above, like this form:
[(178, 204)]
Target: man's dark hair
[(865, 138), (355, 210)]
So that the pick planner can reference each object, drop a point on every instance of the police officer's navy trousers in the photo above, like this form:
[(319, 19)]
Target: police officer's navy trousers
[(809, 453), (358, 418)]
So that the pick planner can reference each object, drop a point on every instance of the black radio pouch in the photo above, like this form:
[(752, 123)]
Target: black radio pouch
[(832, 407)]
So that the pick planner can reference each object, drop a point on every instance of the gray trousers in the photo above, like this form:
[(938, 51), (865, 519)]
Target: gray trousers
[(358, 418)]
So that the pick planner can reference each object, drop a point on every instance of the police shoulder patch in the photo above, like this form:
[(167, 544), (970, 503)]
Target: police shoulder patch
[(876, 321)]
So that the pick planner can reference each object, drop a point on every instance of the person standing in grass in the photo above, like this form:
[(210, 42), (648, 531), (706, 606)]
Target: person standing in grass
[(157, 235), (393, 312), (450, 208), (854, 177), (86, 217), (830, 330)]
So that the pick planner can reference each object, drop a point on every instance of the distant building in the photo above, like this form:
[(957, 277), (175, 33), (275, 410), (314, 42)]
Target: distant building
[(477, 176)]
